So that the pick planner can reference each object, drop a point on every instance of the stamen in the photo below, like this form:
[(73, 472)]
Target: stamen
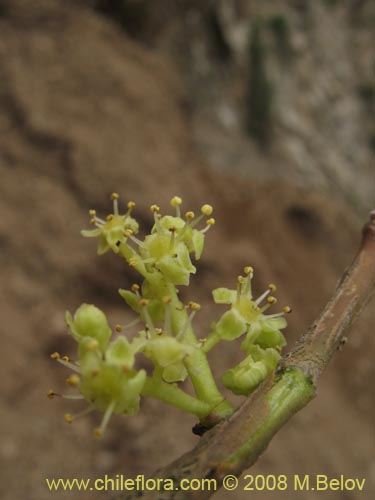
[(107, 415), (129, 234), (176, 201), (186, 325), (240, 283), (195, 307), (262, 297), (172, 240), (155, 209), (189, 217), (207, 210), (129, 325), (144, 303), (115, 197), (51, 394), (209, 223), (249, 272), (168, 315), (68, 364), (73, 380), (277, 315), (271, 300), (130, 206), (97, 220), (70, 418)]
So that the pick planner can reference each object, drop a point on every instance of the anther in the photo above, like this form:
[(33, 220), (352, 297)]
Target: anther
[(92, 213), (272, 300), (115, 196), (73, 380), (65, 361), (55, 355), (194, 306), (154, 208), (248, 270), (128, 233), (272, 287), (287, 309), (109, 217), (118, 328), (190, 215), (143, 302), (241, 280), (176, 201), (207, 210), (210, 222), (133, 262), (92, 345), (158, 331), (68, 418), (107, 415), (167, 300), (134, 288), (130, 204), (51, 394)]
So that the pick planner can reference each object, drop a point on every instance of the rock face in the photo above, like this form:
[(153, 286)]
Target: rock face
[(84, 111), (319, 65)]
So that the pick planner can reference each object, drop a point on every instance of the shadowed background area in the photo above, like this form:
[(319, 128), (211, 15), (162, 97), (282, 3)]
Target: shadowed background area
[(264, 111)]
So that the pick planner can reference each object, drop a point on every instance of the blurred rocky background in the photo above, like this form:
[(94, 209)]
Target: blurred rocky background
[(265, 110)]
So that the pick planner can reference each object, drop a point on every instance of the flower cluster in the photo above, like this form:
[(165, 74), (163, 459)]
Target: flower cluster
[(263, 338), (106, 372)]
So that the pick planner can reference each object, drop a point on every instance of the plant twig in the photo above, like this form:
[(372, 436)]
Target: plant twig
[(236, 443)]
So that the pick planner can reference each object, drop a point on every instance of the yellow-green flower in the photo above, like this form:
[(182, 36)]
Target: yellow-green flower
[(113, 231), (246, 315)]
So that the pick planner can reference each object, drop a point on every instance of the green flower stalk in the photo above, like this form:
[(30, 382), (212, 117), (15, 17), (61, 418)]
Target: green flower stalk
[(106, 374)]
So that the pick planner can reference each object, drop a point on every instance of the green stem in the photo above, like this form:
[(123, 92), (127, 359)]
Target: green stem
[(174, 396), (197, 364), (291, 392), (210, 342)]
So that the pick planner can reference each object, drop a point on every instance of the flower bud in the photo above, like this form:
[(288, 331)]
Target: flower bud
[(89, 321)]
